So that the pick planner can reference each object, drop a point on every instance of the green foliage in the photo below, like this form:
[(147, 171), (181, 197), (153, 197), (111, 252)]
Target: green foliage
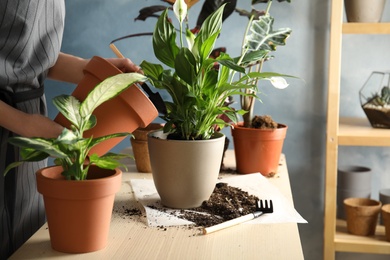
[(381, 99), (198, 84), (71, 149)]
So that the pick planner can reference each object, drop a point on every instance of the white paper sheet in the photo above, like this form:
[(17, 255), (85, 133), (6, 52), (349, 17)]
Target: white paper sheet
[(255, 184)]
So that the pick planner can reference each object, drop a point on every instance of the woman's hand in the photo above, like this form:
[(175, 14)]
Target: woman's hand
[(125, 65), (28, 125)]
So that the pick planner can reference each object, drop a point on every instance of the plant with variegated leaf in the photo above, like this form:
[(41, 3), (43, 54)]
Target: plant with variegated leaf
[(70, 149)]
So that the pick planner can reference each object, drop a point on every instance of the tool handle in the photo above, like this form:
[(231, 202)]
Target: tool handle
[(231, 222), (116, 51)]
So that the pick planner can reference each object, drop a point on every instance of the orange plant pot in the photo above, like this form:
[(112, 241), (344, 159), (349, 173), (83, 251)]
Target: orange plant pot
[(258, 150), (78, 212), (125, 113)]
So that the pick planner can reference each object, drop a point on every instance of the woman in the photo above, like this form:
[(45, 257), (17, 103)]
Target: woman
[(30, 41)]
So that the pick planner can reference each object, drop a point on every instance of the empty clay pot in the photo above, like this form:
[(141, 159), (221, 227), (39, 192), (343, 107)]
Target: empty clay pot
[(125, 113), (139, 143), (362, 215), (386, 219)]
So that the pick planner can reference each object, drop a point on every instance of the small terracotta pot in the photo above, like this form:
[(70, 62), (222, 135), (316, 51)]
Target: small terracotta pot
[(139, 143), (258, 150), (362, 215), (364, 11), (384, 197), (185, 172), (78, 212), (125, 113), (386, 220)]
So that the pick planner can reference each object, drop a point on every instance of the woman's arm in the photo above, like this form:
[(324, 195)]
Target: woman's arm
[(69, 68), (28, 125)]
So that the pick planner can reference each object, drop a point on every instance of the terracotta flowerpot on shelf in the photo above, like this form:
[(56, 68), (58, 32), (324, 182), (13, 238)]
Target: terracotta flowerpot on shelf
[(125, 113), (258, 150), (362, 215), (78, 212), (139, 143), (185, 172), (385, 212)]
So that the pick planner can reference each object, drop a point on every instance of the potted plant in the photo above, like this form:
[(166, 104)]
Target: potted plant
[(198, 85), (79, 191), (375, 99), (258, 140)]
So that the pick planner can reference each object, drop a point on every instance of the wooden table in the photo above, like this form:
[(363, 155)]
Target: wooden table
[(131, 238)]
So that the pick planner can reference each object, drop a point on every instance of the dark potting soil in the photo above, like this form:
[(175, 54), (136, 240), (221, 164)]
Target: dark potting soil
[(225, 203)]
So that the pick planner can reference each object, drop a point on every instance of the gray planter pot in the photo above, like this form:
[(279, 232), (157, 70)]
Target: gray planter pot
[(185, 172), (364, 11), (352, 182)]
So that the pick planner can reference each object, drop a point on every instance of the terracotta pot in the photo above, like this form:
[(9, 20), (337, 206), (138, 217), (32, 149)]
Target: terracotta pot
[(386, 220), (258, 150), (78, 212), (139, 143), (364, 11), (125, 113), (185, 172), (384, 198), (362, 215)]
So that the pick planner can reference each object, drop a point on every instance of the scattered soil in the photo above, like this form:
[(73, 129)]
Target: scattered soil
[(225, 203), (263, 122)]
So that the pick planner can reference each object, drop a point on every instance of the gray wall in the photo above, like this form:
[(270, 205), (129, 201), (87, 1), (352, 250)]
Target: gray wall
[(92, 24)]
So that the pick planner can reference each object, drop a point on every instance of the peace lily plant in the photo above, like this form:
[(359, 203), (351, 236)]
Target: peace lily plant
[(200, 84), (70, 149)]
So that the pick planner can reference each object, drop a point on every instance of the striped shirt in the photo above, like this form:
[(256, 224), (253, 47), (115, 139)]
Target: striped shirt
[(30, 40)]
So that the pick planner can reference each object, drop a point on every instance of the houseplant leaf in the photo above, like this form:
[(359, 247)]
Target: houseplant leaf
[(107, 90), (68, 106), (263, 37)]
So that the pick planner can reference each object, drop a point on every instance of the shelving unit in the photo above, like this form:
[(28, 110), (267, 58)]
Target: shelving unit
[(347, 132)]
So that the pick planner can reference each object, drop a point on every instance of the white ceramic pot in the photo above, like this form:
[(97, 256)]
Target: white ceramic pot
[(185, 172)]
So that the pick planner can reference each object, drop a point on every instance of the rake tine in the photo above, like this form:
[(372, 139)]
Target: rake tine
[(260, 210)]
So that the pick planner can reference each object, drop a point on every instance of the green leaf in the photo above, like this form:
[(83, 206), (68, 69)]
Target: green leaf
[(263, 37), (38, 144), (90, 123), (98, 140), (208, 33), (11, 166), (207, 46), (108, 89), (152, 70), (68, 106), (185, 66), (109, 160), (164, 41)]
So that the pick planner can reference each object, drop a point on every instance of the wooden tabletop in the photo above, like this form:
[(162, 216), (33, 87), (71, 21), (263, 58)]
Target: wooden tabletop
[(131, 238)]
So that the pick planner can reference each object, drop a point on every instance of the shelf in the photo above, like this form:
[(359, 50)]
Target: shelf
[(366, 28), (359, 132), (360, 244)]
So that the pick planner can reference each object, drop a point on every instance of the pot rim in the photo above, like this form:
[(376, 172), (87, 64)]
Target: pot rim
[(240, 125), (160, 136)]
